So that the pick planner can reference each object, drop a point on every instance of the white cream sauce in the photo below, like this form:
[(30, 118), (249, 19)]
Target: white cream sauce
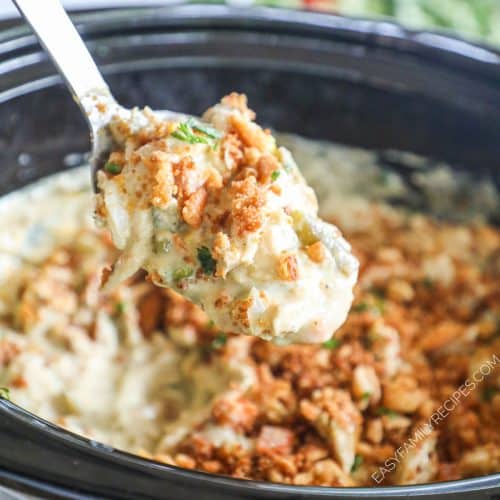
[(115, 388)]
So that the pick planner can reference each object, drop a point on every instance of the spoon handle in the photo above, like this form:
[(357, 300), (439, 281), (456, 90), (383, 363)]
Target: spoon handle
[(59, 37)]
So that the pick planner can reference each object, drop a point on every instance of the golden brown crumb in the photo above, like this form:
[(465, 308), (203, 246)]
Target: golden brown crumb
[(273, 439), (316, 252), (266, 165), (239, 102), (162, 178), (150, 308), (392, 342), (222, 300), (246, 205), (239, 414), (287, 268), (194, 206), (440, 335), (105, 274), (182, 460), (239, 311), (8, 351), (214, 179), (250, 134), (231, 150)]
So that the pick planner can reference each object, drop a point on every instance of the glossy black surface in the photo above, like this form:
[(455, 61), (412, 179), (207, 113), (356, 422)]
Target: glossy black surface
[(359, 82)]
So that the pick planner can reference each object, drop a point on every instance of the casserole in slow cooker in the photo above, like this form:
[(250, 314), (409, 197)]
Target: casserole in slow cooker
[(144, 371)]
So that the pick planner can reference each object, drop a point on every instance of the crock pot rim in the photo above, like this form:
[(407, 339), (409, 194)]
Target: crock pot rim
[(93, 447), (381, 32)]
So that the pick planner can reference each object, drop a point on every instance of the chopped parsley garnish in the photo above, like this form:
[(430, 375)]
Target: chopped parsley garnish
[(428, 283), (379, 299), (112, 168), (362, 306), (366, 396), (275, 175), (194, 132), (331, 344), (380, 305), (182, 273), (488, 393), (358, 460), (210, 324), (203, 128), (5, 393), (120, 308), (219, 341), (382, 410), (207, 262)]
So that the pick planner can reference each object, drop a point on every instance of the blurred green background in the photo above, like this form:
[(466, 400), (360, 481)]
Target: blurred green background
[(473, 19), (478, 20)]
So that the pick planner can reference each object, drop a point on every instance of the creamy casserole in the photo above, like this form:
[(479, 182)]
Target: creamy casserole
[(215, 210), (142, 369)]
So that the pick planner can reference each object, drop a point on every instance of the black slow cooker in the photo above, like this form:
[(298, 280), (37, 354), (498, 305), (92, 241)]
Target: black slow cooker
[(359, 82)]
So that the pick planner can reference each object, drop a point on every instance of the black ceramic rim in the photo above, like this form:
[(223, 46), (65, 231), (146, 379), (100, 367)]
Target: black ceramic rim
[(435, 46), (80, 444), (451, 51)]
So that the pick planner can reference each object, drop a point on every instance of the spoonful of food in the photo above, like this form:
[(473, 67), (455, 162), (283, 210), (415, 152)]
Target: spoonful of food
[(212, 208)]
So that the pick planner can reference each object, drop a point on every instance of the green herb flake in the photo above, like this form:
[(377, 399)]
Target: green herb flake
[(489, 393), (366, 396), (358, 460), (182, 273), (379, 299), (275, 175), (207, 262), (203, 128), (361, 307), (331, 344), (194, 132), (5, 393), (210, 324), (186, 134), (428, 283), (112, 168), (120, 308), (219, 342), (380, 305), (382, 410)]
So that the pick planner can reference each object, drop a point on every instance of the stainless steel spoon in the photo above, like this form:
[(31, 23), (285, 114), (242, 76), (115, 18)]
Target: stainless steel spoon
[(59, 37)]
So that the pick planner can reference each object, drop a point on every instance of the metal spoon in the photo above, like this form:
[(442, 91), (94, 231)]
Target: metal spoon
[(59, 37)]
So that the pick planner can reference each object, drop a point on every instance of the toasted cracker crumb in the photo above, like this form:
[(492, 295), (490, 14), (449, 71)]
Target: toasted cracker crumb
[(288, 269)]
